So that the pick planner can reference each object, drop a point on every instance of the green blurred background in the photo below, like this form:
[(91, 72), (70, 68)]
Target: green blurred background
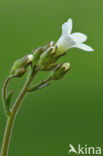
[(69, 111)]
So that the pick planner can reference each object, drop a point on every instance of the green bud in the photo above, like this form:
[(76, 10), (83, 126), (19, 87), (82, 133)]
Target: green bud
[(19, 67), (60, 71), (36, 55), (47, 59)]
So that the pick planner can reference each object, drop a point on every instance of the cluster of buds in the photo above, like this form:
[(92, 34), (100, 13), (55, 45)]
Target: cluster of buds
[(45, 58)]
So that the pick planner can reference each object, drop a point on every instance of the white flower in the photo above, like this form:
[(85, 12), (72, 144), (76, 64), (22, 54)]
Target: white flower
[(71, 40)]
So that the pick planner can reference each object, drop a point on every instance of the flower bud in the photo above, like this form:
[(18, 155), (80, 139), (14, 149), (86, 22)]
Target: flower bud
[(19, 67), (29, 58), (36, 55), (60, 71), (47, 59)]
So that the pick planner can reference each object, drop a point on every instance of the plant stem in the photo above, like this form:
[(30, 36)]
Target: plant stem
[(40, 85), (11, 118), (5, 87)]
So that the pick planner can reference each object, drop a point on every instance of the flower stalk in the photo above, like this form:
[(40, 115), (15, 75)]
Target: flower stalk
[(4, 90)]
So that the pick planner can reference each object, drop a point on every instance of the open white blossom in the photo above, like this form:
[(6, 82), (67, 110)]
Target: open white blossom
[(71, 40)]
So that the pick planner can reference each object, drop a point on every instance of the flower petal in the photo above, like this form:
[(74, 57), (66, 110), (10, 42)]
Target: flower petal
[(70, 25), (79, 37), (64, 43), (67, 27), (84, 47)]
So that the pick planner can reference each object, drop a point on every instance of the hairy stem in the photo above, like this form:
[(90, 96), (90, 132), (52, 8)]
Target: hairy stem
[(11, 118)]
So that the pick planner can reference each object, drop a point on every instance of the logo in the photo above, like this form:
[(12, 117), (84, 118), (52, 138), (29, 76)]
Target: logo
[(85, 150)]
